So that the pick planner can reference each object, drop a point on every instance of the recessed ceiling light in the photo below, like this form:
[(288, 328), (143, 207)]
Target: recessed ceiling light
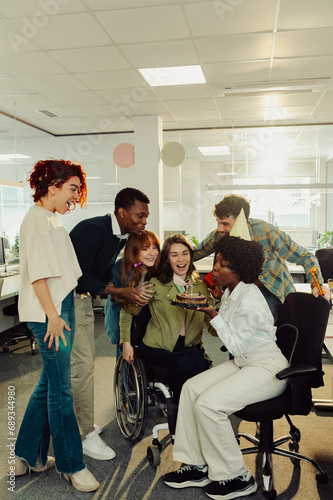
[(226, 173), (174, 75), (92, 177), (112, 183), (214, 150)]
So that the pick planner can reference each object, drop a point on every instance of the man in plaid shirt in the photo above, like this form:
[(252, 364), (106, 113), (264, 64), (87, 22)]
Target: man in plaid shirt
[(275, 281)]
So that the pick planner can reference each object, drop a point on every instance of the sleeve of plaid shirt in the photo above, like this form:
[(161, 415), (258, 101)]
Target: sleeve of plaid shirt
[(289, 250), (206, 247)]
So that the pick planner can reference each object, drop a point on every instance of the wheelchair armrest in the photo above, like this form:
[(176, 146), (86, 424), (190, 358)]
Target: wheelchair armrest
[(293, 371)]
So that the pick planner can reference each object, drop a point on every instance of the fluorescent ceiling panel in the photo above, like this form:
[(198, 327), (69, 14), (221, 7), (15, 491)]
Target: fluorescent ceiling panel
[(176, 75), (12, 156)]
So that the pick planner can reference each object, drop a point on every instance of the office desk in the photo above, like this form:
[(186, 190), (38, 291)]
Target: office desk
[(10, 289)]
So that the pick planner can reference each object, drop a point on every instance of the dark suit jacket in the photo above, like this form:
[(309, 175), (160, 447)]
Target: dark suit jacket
[(96, 248)]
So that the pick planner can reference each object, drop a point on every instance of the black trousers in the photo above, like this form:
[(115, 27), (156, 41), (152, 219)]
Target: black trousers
[(182, 363)]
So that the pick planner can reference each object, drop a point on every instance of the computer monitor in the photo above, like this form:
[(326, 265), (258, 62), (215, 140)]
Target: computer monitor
[(2, 251)]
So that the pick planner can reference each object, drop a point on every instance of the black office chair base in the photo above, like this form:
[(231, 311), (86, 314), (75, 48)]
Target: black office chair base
[(268, 447), (14, 337)]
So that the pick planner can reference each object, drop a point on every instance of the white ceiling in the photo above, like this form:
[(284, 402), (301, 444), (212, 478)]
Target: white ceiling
[(79, 59)]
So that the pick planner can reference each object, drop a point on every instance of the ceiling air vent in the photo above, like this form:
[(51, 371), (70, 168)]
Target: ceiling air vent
[(48, 113)]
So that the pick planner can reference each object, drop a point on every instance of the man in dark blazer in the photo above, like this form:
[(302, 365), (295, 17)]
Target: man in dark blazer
[(97, 242)]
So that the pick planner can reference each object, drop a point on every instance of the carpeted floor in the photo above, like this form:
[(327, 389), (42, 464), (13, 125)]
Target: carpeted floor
[(129, 476)]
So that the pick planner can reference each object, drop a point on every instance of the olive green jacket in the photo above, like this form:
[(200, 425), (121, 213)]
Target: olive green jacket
[(166, 319)]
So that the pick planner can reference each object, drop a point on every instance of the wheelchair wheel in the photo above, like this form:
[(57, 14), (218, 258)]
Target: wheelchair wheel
[(130, 397), (153, 455)]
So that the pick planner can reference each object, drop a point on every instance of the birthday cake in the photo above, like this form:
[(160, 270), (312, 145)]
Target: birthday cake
[(191, 298)]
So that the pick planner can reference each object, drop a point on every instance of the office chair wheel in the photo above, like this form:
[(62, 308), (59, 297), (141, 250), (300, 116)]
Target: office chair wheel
[(153, 455), (294, 447), (131, 401), (270, 495), (322, 478), (5, 349)]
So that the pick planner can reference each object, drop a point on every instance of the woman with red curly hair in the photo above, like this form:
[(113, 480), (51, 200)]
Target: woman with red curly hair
[(49, 274)]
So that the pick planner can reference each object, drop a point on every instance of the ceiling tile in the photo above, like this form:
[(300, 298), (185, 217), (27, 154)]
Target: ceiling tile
[(111, 79), (35, 8), (90, 59), (225, 17), (191, 105), (9, 86), (29, 63), (87, 98), (235, 47), (311, 42), (55, 83), (304, 67), (161, 54), (218, 73), (176, 92), (132, 95), (300, 14), (70, 31), (145, 24), (126, 4)]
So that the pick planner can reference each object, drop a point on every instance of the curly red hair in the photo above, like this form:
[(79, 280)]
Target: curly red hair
[(55, 172)]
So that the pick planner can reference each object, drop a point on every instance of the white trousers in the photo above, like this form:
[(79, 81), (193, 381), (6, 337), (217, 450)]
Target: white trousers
[(204, 434)]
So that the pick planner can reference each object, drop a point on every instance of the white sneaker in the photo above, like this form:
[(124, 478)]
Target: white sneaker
[(93, 446), (98, 429)]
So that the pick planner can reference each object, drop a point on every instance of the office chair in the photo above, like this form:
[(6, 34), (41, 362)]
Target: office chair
[(325, 259), (301, 327), (18, 333)]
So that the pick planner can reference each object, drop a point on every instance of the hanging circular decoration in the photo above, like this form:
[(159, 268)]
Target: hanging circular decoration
[(173, 154), (123, 155)]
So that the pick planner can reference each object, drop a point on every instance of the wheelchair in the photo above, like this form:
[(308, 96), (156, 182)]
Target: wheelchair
[(139, 386), (134, 394)]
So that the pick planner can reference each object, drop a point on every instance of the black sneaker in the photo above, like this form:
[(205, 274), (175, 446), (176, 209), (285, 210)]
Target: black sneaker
[(240, 486), (186, 476)]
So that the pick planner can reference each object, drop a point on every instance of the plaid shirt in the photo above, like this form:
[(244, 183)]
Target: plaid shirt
[(278, 247)]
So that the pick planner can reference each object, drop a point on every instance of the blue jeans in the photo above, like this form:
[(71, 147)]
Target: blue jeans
[(50, 410)]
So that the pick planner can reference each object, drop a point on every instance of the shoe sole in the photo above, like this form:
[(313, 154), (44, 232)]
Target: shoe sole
[(78, 487), (189, 484), (98, 457), (234, 494)]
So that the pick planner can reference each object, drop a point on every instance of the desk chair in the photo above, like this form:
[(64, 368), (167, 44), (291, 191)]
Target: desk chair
[(18, 333), (325, 259), (301, 327)]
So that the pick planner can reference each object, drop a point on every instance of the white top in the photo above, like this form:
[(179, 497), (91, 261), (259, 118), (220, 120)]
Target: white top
[(244, 321), (46, 251)]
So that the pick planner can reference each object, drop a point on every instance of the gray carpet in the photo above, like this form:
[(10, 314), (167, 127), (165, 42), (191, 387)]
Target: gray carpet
[(129, 476)]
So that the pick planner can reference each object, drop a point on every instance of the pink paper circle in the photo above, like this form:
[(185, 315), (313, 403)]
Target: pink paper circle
[(123, 155)]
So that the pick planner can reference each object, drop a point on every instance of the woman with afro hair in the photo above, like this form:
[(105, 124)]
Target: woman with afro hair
[(205, 442)]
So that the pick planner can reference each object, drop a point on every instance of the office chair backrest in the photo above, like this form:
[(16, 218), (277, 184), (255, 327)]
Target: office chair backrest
[(325, 259), (310, 316)]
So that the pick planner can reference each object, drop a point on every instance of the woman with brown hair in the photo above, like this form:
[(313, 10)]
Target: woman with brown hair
[(173, 337)]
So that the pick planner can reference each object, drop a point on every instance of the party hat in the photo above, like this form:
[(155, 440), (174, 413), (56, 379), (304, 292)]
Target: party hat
[(240, 227)]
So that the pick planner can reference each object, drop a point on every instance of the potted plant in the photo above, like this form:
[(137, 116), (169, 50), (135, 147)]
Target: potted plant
[(325, 240)]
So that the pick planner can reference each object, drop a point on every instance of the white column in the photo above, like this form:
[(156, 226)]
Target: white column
[(148, 141)]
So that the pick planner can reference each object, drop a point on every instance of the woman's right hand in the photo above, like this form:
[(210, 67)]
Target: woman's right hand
[(128, 352), (55, 329)]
